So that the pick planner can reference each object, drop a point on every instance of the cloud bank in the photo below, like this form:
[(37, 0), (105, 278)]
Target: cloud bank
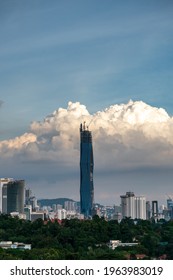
[(126, 138)]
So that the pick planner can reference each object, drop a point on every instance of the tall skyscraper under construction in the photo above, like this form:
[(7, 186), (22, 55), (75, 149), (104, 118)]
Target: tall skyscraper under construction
[(86, 172)]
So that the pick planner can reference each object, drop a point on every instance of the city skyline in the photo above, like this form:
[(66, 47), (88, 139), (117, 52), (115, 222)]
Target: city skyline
[(108, 63)]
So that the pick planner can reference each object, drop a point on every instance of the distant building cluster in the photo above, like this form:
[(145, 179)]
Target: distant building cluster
[(17, 200)]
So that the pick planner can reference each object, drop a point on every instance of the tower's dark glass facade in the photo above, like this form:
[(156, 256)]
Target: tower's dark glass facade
[(15, 196), (86, 172)]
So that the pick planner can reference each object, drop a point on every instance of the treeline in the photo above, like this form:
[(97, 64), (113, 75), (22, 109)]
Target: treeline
[(86, 239)]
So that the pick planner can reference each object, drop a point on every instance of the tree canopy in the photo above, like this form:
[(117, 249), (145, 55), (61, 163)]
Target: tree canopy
[(85, 239)]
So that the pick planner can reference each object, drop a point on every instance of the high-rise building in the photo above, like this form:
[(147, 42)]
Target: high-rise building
[(28, 195), (33, 203), (169, 211), (133, 206), (15, 196), (3, 196), (28, 211), (86, 172), (140, 207), (148, 210), (155, 210), (128, 205), (169, 203)]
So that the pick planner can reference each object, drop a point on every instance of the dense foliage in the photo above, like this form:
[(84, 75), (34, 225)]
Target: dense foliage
[(87, 239)]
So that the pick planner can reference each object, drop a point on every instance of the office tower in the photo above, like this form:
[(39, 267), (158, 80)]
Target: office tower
[(33, 203), (133, 206), (148, 210), (15, 196), (28, 195), (155, 208), (3, 182), (4, 198), (169, 203), (140, 207), (128, 205), (169, 211), (86, 172)]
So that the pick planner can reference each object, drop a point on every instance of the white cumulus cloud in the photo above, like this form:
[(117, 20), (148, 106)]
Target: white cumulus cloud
[(119, 130), (128, 136)]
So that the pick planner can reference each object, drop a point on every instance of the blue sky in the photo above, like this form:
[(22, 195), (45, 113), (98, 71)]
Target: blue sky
[(98, 52)]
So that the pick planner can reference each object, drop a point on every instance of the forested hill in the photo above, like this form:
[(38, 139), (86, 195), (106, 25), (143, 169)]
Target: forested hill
[(51, 201)]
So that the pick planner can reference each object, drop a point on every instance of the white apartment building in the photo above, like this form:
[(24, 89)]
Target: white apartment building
[(133, 206), (62, 214), (140, 207), (128, 205)]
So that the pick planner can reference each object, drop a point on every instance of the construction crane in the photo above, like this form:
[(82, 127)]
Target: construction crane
[(89, 123)]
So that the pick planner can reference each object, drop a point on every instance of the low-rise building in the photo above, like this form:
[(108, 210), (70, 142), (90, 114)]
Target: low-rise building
[(15, 245), (116, 243)]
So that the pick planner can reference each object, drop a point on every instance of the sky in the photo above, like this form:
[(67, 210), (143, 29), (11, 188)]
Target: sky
[(104, 61)]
